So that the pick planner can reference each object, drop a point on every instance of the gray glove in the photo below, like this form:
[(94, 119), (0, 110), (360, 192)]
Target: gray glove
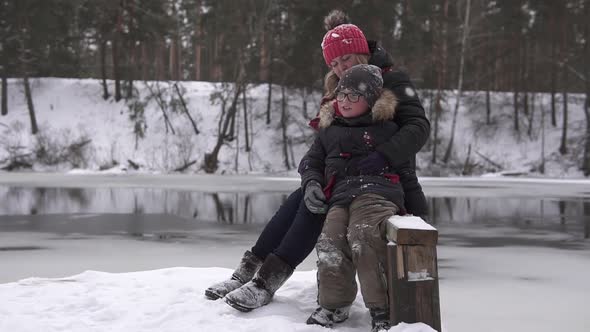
[(314, 198)]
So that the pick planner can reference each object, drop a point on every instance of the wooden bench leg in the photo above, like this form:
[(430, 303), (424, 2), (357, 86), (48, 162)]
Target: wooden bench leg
[(413, 284)]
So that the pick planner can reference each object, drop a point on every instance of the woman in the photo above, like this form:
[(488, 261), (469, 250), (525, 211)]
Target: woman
[(293, 231)]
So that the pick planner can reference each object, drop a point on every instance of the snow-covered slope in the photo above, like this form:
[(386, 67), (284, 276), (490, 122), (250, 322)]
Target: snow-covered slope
[(70, 110), (499, 143)]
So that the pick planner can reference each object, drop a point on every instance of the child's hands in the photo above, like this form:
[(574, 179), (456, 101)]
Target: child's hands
[(373, 164), (314, 198)]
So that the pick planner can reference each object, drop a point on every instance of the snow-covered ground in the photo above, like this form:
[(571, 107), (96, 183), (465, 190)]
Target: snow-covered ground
[(161, 300), (493, 278), (70, 110)]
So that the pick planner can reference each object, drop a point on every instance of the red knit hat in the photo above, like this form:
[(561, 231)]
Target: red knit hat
[(344, 39)]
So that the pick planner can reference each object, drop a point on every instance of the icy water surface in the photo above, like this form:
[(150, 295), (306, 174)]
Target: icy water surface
[(111, 228), (137, 211), (523, 255)]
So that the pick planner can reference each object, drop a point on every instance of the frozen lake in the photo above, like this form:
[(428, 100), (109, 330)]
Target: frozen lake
[(512, 252)]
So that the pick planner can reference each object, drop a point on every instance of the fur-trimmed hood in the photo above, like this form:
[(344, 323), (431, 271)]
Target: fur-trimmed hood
[(383, 110)]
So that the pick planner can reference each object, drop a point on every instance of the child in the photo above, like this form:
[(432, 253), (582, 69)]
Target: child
[(361, 192)]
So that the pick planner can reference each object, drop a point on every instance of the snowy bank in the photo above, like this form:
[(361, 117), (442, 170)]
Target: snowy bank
[(161, 300), (133, 134)]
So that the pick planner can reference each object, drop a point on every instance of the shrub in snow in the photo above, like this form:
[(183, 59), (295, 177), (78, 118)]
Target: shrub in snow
[(14, 151), (136, 109), (57, 146)]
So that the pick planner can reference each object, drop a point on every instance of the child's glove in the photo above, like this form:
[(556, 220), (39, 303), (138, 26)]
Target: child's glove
[(314, 198), (373, 164)]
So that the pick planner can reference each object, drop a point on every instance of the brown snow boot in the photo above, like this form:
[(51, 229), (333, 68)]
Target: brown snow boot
[(259, 291), (379, 319), (243, 273)]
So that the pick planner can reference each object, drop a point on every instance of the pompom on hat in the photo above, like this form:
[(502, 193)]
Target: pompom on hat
[(342, 37)]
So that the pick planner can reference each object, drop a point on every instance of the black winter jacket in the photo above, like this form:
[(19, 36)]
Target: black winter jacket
[(342, 143), (409, 114), (413, 134)]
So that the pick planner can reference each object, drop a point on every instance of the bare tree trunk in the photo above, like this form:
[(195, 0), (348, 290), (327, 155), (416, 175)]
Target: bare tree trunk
[(269, 95), (404, 25), (531, 116), (103, 69), (586, 163), (232, 124), (29, 97), (488, 105), (441, 79), (237, 137), (132, 58), (437, 111), (563, 146), (524, 77), (246, 218), (553, 70), (210, 164), (158, 96), (131, 69), (431, 102), (553, 93), (264, 58), (3, 73), (175, 48), (160, 49), (564, 68), (304, 102), (172, 61), (586, 212), (467, 165), (460, 83), (188, 114), (531, 76), (515, 102), (516, 78), (115, 52), (490, 70), (179, 60), (211, 159), (144, 61), (264, 39), (216, 72), (542, 167), (4, 93), (269, 100), (116, 69), (284, 128), (586, 63), (24, 60), (246, 129), (197, 41), (219, 208), (496, 71)]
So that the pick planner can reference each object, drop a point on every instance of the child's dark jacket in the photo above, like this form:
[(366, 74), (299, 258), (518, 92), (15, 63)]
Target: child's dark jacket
[(342, 143)]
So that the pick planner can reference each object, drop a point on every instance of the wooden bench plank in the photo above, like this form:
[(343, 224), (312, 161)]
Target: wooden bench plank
[(411, 230)]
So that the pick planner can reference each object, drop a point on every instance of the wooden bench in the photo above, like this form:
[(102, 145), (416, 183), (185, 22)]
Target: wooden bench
[(412, 271)]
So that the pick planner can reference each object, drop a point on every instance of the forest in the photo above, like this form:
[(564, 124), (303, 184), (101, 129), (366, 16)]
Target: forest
[(522, 47)]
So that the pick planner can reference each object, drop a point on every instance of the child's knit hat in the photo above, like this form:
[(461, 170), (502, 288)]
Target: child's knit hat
[(366, 80)]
